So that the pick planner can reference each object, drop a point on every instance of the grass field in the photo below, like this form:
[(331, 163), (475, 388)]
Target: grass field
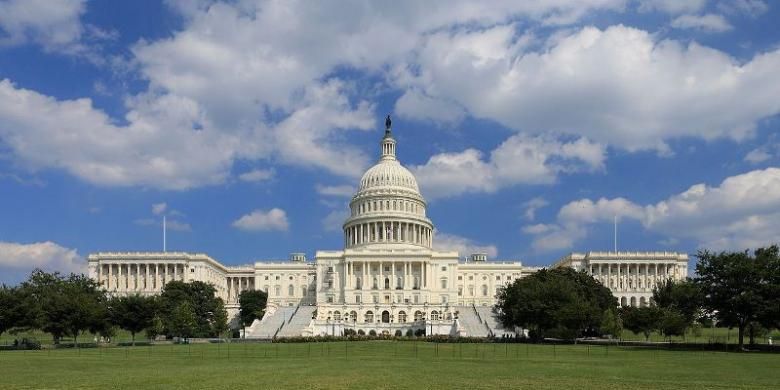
[(385, 364)]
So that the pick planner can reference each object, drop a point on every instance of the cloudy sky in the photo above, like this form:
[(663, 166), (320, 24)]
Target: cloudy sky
[(529, 125)]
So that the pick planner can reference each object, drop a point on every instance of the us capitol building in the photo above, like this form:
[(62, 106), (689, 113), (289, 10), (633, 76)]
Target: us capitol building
[(387, 278)]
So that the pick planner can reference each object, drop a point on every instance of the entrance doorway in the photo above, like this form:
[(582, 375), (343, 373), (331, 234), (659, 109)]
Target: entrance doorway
[(385, 316)]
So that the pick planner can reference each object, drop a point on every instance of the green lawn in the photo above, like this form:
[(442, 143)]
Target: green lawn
[(385, 364)]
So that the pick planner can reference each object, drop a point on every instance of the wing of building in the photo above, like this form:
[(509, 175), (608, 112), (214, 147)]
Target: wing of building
[(386, 279)]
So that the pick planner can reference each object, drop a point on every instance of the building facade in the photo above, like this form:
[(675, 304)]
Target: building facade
[(631, 276), (386, 279)]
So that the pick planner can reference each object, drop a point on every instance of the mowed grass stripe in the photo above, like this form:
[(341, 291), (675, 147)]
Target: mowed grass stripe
[(385, 364)]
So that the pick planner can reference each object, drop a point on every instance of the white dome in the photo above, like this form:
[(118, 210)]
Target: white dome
[(389, 174)]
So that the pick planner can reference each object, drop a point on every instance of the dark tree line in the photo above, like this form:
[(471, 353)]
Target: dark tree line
[(68, 306), (736, 289)]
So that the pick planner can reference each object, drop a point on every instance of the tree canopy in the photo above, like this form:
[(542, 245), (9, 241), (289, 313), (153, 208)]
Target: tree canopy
[(740, 288), (556, 302), (252, 305)]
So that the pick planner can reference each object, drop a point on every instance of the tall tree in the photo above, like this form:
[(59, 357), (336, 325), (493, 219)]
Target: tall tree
[(642, 320), (133, 313), (208, 310), (10, 306), (556, 302), (684, 297), (733, 288), (252, 305), (181, 320)]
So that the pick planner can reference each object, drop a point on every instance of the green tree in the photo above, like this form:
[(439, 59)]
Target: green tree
[(684, 297), (672, 323), (181, 321), (10, 306), (556, 302), (133, 313), (62, 306), (642, 320), (734, 285), (252, 304), (612, 325), (208, 310)]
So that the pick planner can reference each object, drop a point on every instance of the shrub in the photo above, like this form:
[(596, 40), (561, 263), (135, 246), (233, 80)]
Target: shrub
[(361, 332), (409, 333), (398, 333), (419, 332)]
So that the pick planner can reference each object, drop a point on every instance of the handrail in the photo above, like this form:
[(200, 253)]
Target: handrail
[(293, 314)]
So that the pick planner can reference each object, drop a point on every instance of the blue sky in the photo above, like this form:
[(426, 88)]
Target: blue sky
[(529, 126)]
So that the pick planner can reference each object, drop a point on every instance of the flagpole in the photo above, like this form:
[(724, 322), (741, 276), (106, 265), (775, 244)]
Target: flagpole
[(164, 243), (615, 222)]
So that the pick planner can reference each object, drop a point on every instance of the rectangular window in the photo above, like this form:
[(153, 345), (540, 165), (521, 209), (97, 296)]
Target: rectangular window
[(443, 268), (357, 298), (330, 299), (416, 299)]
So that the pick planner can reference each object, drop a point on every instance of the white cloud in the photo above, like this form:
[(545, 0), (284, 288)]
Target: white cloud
[(532, 205), (178, 226), (159, 208), (620, 86), (341, 190), (708, 22), (672, 6), (520, 159), (47, 256), (54, 24), (414, 105), (257, 175), (763, 153), (751, 8), (742, 212), (462, 245), (260, 220)]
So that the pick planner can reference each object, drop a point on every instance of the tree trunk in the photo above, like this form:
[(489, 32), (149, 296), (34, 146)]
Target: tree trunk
[(741, 336), (132, 336)]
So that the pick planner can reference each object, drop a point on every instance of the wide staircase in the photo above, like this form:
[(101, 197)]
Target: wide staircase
[(491, 320), (470, 322), (272, 322), (300, 320)]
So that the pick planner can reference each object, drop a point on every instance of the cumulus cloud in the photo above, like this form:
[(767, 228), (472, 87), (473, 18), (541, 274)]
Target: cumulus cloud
[(257, 175), (261, 220), (49, 256), (462, 245), (521, 159), (742, 212), (708, 22), (335, 219), (620, 86), (54, 24)]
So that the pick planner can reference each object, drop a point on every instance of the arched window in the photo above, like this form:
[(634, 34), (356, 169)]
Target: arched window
[(277, 290), (303, 290), (337, 315), (376, 284), (399, 283), (353, 316), (387, 283), (418, 315), (369, 316), (358, 283), (265, 288), (290, 290), (416, 282), (633, 301), (386, 317), (484, 290), (443, 283), (434, 315), (401, 316), (623, 301)]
